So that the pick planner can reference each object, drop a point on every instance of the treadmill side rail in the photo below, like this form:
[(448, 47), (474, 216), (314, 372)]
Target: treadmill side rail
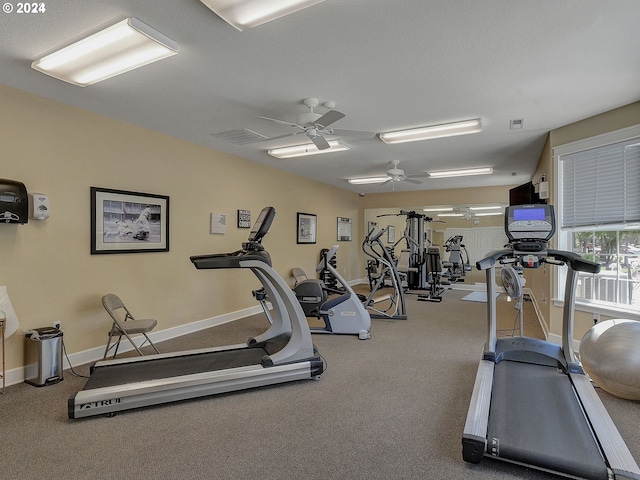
[(109, 400), (474, 438), (615, 449)]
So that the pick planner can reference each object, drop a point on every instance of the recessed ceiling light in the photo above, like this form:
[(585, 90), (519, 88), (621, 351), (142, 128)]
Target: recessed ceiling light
[(461, 173), (122, 47), (433, 131), (244, 14), (441, 209), (367, 180), (492, 207), (307, 149)]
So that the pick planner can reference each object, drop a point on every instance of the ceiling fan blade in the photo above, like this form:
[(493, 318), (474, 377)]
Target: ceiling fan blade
[(328, 118), (388, 181), (351, 133), (320, 142), (411, 180), (294, 125), (418, 175)]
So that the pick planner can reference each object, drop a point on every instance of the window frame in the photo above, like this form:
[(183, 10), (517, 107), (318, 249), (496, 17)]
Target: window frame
[(564, 236)]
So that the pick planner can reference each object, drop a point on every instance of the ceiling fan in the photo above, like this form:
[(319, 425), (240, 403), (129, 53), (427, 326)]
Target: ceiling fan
[(397, 175), (315, 126)]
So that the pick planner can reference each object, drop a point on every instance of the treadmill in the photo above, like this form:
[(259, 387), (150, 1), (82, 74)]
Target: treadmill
[(532, 403), (283, 353)]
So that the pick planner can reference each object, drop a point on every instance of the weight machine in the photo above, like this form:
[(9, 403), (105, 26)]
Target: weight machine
[(456, 267), (420, 260)]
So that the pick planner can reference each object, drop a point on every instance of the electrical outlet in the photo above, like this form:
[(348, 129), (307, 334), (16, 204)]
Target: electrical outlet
[(57, 325)]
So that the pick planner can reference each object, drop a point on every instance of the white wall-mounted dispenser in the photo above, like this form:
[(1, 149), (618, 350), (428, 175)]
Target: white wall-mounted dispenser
[(39, 207)]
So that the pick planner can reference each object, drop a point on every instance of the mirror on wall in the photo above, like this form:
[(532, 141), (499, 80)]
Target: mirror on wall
[(480, 225)]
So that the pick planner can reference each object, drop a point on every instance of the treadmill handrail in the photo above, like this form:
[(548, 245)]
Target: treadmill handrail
[(573, 260), (228, 260)]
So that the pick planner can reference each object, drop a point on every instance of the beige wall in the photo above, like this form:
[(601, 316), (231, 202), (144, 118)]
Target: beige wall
[(47, 266), (542, 282)]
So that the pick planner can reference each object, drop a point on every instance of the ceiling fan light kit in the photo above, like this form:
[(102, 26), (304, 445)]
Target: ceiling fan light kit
[(433, 131), (307, 149), (461, 173), (122, 47), (244, 14)]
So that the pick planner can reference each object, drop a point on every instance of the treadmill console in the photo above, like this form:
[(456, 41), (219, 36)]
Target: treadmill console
[(530, 227), (260, 229)]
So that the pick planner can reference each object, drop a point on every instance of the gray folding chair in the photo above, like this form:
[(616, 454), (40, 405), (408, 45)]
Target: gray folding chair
[(125, 324)]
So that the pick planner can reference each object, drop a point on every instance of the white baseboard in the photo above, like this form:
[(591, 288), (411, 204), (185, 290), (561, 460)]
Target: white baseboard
[(17, 375)]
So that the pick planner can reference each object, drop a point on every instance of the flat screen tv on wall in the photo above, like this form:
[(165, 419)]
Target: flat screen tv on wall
[(524, 194)]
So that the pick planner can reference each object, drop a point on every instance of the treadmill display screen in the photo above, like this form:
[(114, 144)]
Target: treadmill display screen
[(533, 222), (524, 214), (262, 224)]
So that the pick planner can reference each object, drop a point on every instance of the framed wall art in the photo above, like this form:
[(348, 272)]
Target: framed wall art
[(391, 234), (344, 229), (244, 218), (128, 222), (306, 228)]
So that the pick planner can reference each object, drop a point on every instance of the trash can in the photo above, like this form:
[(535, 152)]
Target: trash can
[(43, 356)]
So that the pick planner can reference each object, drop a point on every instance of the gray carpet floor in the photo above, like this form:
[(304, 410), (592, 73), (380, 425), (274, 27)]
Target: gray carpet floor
[(392, 407)]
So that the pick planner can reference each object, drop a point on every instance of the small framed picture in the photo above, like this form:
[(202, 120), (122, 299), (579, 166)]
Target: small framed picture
[(244, 218), (391, 234), (128, 222), (307, 228), (344, 229)]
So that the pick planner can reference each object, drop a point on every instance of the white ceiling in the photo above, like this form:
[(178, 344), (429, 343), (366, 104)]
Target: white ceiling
[(386, 64)]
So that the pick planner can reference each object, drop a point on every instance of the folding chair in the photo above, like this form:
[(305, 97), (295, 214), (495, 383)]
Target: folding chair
[(125, 324)]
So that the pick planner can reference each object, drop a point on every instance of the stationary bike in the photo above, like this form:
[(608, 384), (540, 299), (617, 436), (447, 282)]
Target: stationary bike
[(344, 314)]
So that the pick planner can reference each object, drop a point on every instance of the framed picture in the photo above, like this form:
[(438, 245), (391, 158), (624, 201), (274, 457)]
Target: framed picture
[(128, 222), (344, 229), (307, 228), (244, 218)]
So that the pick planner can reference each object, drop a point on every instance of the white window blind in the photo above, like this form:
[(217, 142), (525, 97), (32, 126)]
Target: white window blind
[(601, 186)]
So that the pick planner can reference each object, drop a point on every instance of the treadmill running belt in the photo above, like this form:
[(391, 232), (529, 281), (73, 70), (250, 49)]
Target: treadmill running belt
[(156, 368), (536, 419)]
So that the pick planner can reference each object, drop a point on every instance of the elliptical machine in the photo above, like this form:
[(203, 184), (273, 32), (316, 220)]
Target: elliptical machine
[(344, 314), (391, 305)]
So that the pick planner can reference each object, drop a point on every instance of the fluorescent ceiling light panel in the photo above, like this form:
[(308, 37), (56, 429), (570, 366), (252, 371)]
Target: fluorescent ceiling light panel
[(451, 214), (122, 47), (244, 14), (492, 207), (434, 131), (307, 149), (366, 180), (443, 209), (487, 214), (461, 173)]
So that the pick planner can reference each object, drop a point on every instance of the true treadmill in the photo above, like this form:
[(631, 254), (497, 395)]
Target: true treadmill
[(532, 403), (283, 353)]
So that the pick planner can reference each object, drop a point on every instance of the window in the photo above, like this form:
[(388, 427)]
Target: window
[(598, 211)]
